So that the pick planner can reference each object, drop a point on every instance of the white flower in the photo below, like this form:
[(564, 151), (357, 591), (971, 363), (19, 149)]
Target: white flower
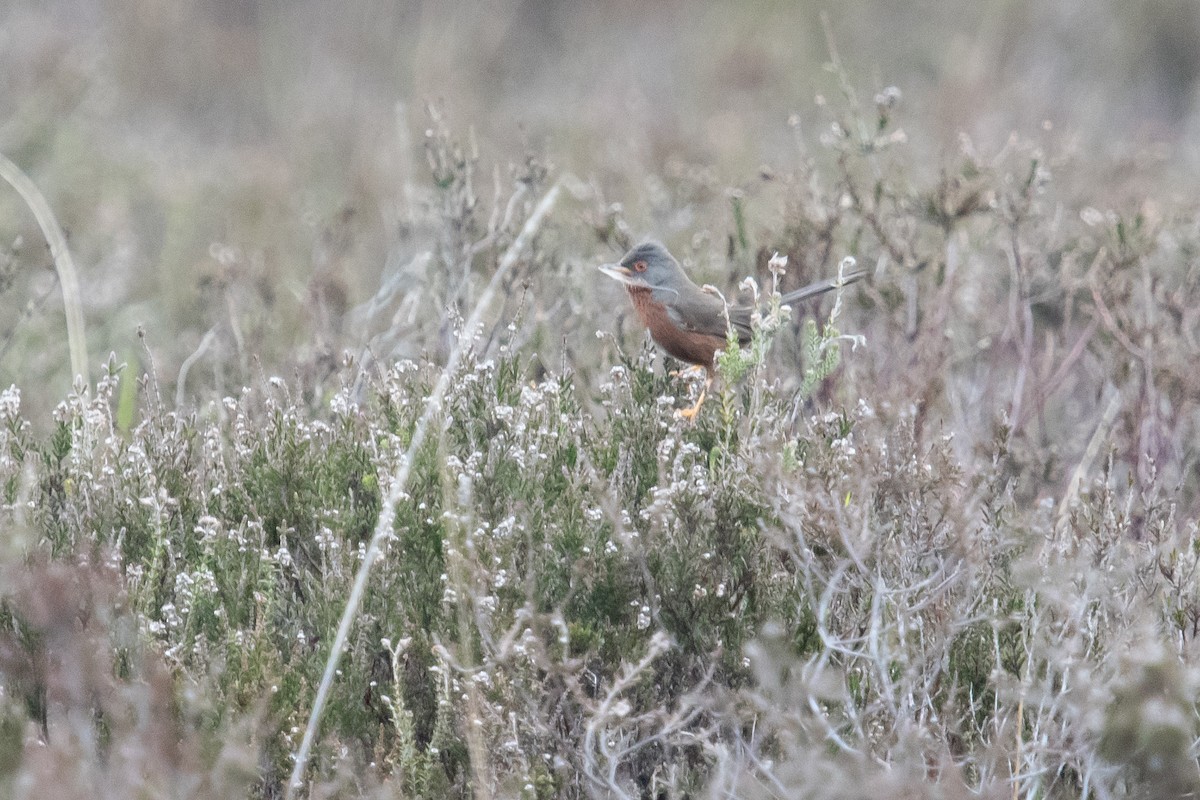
[(10, 402), (643, 618)]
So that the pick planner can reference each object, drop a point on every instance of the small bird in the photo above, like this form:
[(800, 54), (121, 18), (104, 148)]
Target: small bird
[(686, 321)]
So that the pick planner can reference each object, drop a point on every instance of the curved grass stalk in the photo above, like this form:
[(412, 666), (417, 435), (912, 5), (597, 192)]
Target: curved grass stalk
[(68, 279)]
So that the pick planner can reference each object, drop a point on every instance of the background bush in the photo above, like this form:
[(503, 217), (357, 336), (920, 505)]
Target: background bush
[(958, 559)]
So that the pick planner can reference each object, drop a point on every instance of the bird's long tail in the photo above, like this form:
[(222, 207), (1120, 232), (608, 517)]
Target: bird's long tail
[(821, 287)]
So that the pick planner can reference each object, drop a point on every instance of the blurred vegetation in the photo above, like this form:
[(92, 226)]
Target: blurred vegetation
[(254, 171), (940, 541)]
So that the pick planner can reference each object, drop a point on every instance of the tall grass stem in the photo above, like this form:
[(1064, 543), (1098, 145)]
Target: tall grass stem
[(387, 514), (68, 278)]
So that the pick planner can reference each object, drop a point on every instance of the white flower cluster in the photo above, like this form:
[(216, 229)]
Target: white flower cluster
[(685, 481), (11, 428)]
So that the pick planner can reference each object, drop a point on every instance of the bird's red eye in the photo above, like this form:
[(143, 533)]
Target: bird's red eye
[(639, 266)]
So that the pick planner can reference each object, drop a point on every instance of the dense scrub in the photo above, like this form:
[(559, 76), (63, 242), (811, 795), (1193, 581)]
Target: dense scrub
[(944, 546)]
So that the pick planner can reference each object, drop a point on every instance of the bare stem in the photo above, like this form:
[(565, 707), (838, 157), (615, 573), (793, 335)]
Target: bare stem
[(387, 514), (68, 279)]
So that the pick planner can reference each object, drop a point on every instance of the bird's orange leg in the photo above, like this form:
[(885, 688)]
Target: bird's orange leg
[(690, 413)]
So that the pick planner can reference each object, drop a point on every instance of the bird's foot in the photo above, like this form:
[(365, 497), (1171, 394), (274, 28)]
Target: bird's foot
[(690, 413)]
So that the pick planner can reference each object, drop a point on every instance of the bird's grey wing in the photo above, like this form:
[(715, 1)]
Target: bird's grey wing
[(701, 312)]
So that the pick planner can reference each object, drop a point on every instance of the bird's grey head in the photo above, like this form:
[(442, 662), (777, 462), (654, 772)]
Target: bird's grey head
[(648, 265)]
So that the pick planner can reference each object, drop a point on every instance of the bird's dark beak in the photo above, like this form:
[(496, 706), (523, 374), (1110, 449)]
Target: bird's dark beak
[(623, 274)]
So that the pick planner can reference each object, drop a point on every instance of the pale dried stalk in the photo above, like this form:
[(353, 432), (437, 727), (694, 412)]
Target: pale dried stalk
[(387, 514), (68, 278)]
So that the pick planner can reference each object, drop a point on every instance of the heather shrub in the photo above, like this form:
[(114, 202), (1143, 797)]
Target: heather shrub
[(934, 538)]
